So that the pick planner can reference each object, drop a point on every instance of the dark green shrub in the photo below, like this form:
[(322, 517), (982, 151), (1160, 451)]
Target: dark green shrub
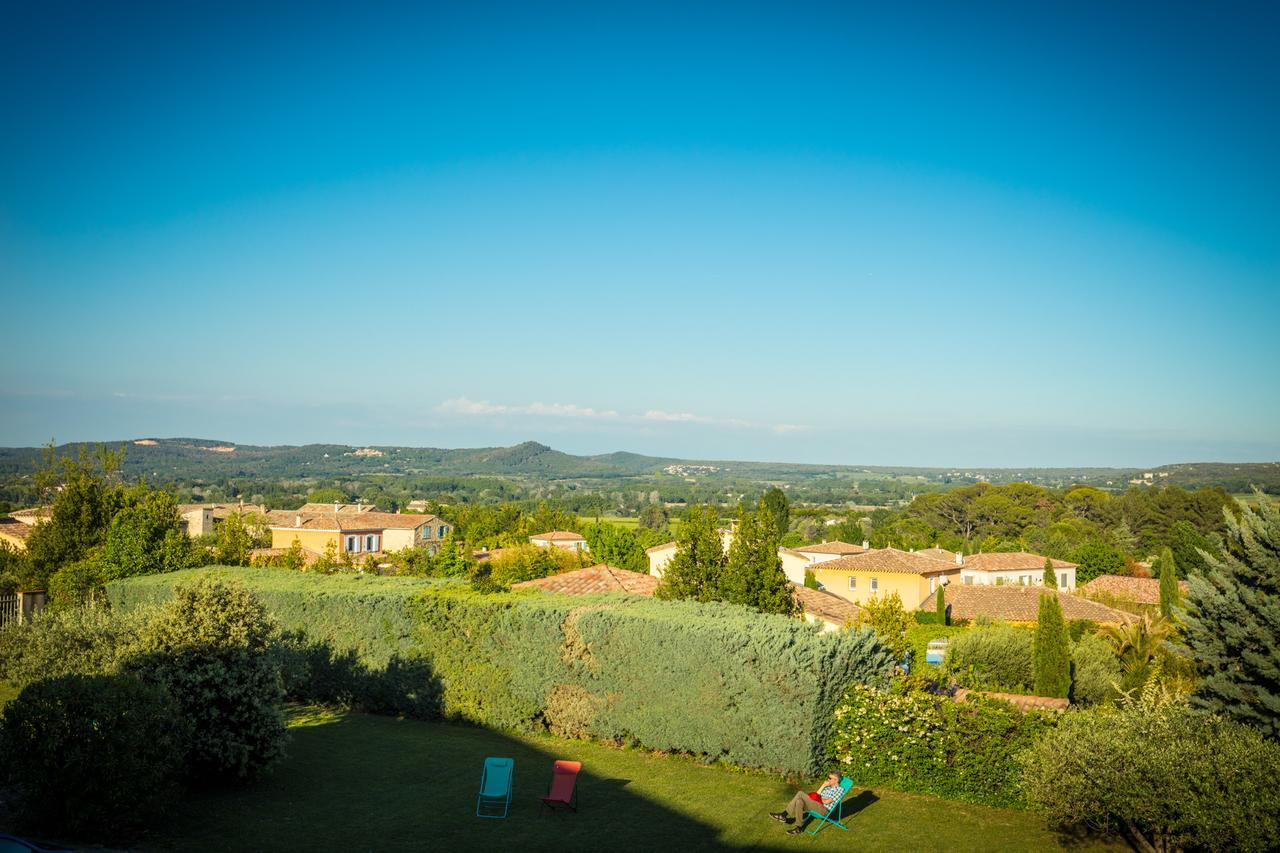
[(924, 743), (1167, 777), (992, 658), (91, 756), (716, 679), (65, 641), (1052, 650), (211, 647), (77, 583), (1094, 671)]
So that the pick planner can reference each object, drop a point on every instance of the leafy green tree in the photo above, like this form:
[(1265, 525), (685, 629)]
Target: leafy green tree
[(85, 498), (212, 647), (327, 495), (810, 579), (695, 569), (452, 560), (753, 573), (1097, 558), (1187, 545), (1050, 576), (1052, 650), (890, 620), (1232, 624), (237, 535), (776, 505), (654, 517), (144, 537), (1170, 594), (617, 546)]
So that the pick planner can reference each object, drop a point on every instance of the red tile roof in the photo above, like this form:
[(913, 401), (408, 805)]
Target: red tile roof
[(1018, 603), (664, 546), (15, 529), (593, 579), (347, 521), (834, 547), (1026, 703), (938, 554), (1135, 590), (826, 606), (1011, 562), (560, 536), (888, 560)]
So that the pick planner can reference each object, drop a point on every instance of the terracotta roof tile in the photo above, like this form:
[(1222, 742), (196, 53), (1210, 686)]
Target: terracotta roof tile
[(321, 507), (888, 560), (825, 605), (938, 554), (33, 514), (11, 527), (1012, 561), (560, 536), (656, 548), (1018, 603), (347, 521), (1135, 590), (594, 579), (835, 547)]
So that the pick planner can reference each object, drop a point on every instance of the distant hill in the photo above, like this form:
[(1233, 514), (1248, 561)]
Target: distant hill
[(187, 458)]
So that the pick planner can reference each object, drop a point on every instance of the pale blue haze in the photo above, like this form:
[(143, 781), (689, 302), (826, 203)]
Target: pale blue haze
[(1007, 235)]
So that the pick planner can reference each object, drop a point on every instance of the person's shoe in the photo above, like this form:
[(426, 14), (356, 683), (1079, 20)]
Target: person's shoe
[(796, 830), (781, 816)]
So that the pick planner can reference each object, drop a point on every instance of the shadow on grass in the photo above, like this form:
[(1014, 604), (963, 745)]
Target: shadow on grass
[(354, 783)]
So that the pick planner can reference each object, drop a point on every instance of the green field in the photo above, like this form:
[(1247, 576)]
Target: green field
[(628, 523), (353, 782)]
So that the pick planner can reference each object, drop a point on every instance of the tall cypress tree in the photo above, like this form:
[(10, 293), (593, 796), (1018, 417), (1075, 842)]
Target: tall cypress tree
[(1170, 594), (1232, 624), (1052, 650), (1050, 576), (753, 573), (941, 605), (694, 572)]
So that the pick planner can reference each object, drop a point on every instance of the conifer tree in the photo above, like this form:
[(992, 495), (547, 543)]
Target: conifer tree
[(1170, 594), (1050, 577), (694, 572), (1052, 650), (1232, 625), (753, 573), (942, 605)]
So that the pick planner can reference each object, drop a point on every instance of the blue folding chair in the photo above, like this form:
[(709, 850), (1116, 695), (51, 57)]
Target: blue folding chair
[(835, 814), (495, 787)]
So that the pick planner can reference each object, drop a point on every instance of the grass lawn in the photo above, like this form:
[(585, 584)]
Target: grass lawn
[(629, 523), (354, 782)]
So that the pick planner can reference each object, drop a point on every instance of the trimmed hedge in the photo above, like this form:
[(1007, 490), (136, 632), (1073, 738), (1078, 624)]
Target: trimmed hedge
[(711, 679), (928, 744)]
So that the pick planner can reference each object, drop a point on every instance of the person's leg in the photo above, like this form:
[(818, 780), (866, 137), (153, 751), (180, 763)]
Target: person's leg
[(800, 804)]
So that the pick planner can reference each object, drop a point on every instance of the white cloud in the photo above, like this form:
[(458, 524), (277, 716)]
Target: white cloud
[(482, 408)]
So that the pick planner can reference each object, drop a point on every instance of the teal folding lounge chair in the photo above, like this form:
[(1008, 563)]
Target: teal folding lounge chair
[(836, 813), (495, 787)]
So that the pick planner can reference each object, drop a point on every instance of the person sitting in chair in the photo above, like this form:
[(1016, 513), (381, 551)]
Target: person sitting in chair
[(820, 801)]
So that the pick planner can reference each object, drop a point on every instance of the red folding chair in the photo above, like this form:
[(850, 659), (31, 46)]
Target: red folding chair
[(564, 788)]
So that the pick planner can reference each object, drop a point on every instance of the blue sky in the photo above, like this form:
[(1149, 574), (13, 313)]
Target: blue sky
[(935, 235)]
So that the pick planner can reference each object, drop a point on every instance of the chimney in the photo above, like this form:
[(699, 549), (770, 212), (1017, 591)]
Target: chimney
[(297, 521), (335, 507), (959, 559), (866, 544)]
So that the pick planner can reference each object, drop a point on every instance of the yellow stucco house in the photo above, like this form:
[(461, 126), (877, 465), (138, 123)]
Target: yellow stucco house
[(882, 572), (356, 532)]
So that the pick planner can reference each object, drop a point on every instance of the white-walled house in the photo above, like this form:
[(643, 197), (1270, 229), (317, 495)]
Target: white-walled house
[(795, 561), (660, 555), (1017, 568), (565, 539)]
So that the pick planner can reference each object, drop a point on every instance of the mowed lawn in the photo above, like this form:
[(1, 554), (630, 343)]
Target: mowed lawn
[(354, 782)]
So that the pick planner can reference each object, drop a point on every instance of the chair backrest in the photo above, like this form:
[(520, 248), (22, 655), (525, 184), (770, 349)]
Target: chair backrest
[(564, 774), (845, 785), (496, 780)]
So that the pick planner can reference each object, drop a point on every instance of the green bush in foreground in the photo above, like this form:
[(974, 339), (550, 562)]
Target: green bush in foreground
[(91, 756), (211, 648), (1165, 776), (993, 658), (711, 679), (65, 641), (929, 744)]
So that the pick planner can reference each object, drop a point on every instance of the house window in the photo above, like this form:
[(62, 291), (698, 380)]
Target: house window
[(371, 542), (853, 583), (426, 532), (443, 532), (875, 584), (1062, 580), (353, 544), (968, 579)]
